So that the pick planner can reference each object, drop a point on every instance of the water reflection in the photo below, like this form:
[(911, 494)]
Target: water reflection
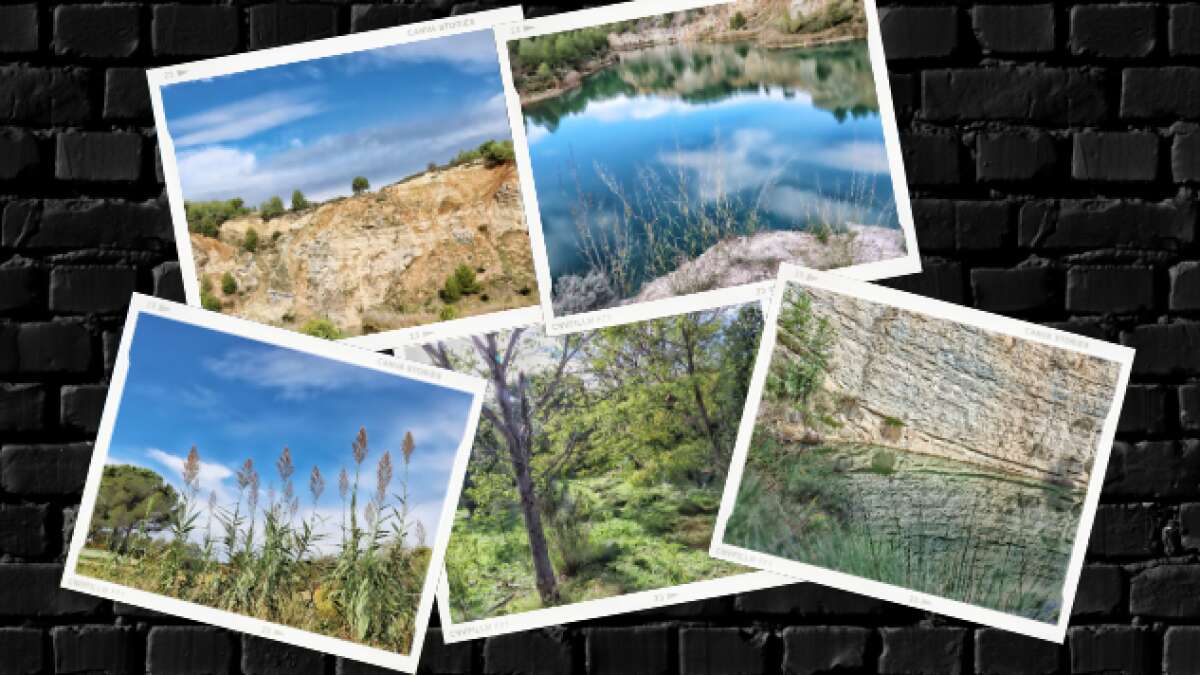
[(675, 148)]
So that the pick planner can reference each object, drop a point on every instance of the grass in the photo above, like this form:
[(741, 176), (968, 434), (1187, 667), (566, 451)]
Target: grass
[(617, 538), (265, 561), (659, 224), (797, 504)]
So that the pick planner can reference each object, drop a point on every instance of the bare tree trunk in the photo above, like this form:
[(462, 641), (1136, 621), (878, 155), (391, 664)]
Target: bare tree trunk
[(511, 417), (547, 583), (710, 427)]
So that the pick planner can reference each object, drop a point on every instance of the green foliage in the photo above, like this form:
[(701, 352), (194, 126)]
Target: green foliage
[(737, 21), (228, 284), (365, 590), (461, 282), (493, 153), (628, 450), (801, 357), (360, 185), (322, 328), (883, 462), (447, 313), (299, 201), (894, 422), (250, 243), (135, 498), (209, 301), (272, 208), (536, 60), (205, 218)]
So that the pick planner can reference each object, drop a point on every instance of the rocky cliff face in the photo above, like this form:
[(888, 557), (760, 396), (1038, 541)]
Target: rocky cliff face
[(376, 261), (904, 380)]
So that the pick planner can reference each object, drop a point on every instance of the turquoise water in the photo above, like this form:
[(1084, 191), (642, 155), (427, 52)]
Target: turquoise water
[(779, 138)]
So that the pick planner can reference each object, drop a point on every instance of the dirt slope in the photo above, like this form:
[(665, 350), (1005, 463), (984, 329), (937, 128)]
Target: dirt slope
[(375, 261)]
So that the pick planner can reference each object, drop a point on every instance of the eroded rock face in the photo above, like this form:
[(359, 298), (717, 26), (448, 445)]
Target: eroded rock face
[(376, 261), (756, 257), (903, 380)]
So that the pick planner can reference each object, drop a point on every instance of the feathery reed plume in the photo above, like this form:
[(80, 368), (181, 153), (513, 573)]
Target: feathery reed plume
[(408, 447), (191, 471), (383, 477), (243, 474), (212, 507), (252, 482), (369, 514), (360, 446), (289, 503), (316, 485)]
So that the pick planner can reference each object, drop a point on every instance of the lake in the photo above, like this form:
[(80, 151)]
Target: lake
[(673, 144)]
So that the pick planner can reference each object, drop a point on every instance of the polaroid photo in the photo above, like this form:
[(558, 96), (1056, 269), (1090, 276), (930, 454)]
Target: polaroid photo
[(596, 472), (686, 148), (922, 453), (273, 483), (360, 187)]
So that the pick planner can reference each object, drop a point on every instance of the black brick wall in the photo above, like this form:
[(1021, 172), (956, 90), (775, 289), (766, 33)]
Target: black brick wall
[(1054, 154)]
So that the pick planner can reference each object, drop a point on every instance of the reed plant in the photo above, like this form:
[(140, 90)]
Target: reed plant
[(270, 561)]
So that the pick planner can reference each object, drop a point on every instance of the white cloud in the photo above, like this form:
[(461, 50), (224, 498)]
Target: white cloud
[(855, 156), (211, 478), (324, 167), (244, 118), (296, 376)]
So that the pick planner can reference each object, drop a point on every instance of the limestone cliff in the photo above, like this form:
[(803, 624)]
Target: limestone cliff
[(375, 261), (908, 381), (756, 257)]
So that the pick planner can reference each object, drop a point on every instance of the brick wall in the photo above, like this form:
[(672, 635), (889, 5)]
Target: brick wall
[(1054, 156)]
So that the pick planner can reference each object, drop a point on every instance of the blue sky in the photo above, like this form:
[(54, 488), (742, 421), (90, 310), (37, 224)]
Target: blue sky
[(236, 398), (314, 125)]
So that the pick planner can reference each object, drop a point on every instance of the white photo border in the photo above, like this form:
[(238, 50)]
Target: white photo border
[(144, 305), (910, 263), (461, 631), (239, 63), (791, 274)]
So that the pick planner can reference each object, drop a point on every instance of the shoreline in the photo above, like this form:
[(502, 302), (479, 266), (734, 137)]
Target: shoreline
[(613, 57)]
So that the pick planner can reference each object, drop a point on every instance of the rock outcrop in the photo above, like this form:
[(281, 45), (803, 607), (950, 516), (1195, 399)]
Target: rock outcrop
[(756, 257), (375, 261), (904, 380)]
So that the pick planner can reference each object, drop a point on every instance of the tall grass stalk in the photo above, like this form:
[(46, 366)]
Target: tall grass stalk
[(365, 589)]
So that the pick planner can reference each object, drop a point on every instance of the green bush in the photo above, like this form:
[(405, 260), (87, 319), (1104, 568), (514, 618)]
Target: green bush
[(299, 201), (447, 313), (461, 282), (360, 184), (496, 153), (209, 301), (205, 218), (322, 328), (737, 21), (228, 284), (250, 243), (272, 208)]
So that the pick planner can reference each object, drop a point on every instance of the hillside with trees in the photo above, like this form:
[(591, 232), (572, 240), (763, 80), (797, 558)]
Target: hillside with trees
[(445, 243)]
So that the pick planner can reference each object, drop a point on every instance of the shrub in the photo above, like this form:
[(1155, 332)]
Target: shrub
[(465, 278), (737, 21), (497, 153), (209, 301), (272, 208), (250, 243), (322, 328), (450, 291), (275, 236), (883, 462), (205, 218), (299, 201), (360, 185), (447, 313), (228, 284)]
